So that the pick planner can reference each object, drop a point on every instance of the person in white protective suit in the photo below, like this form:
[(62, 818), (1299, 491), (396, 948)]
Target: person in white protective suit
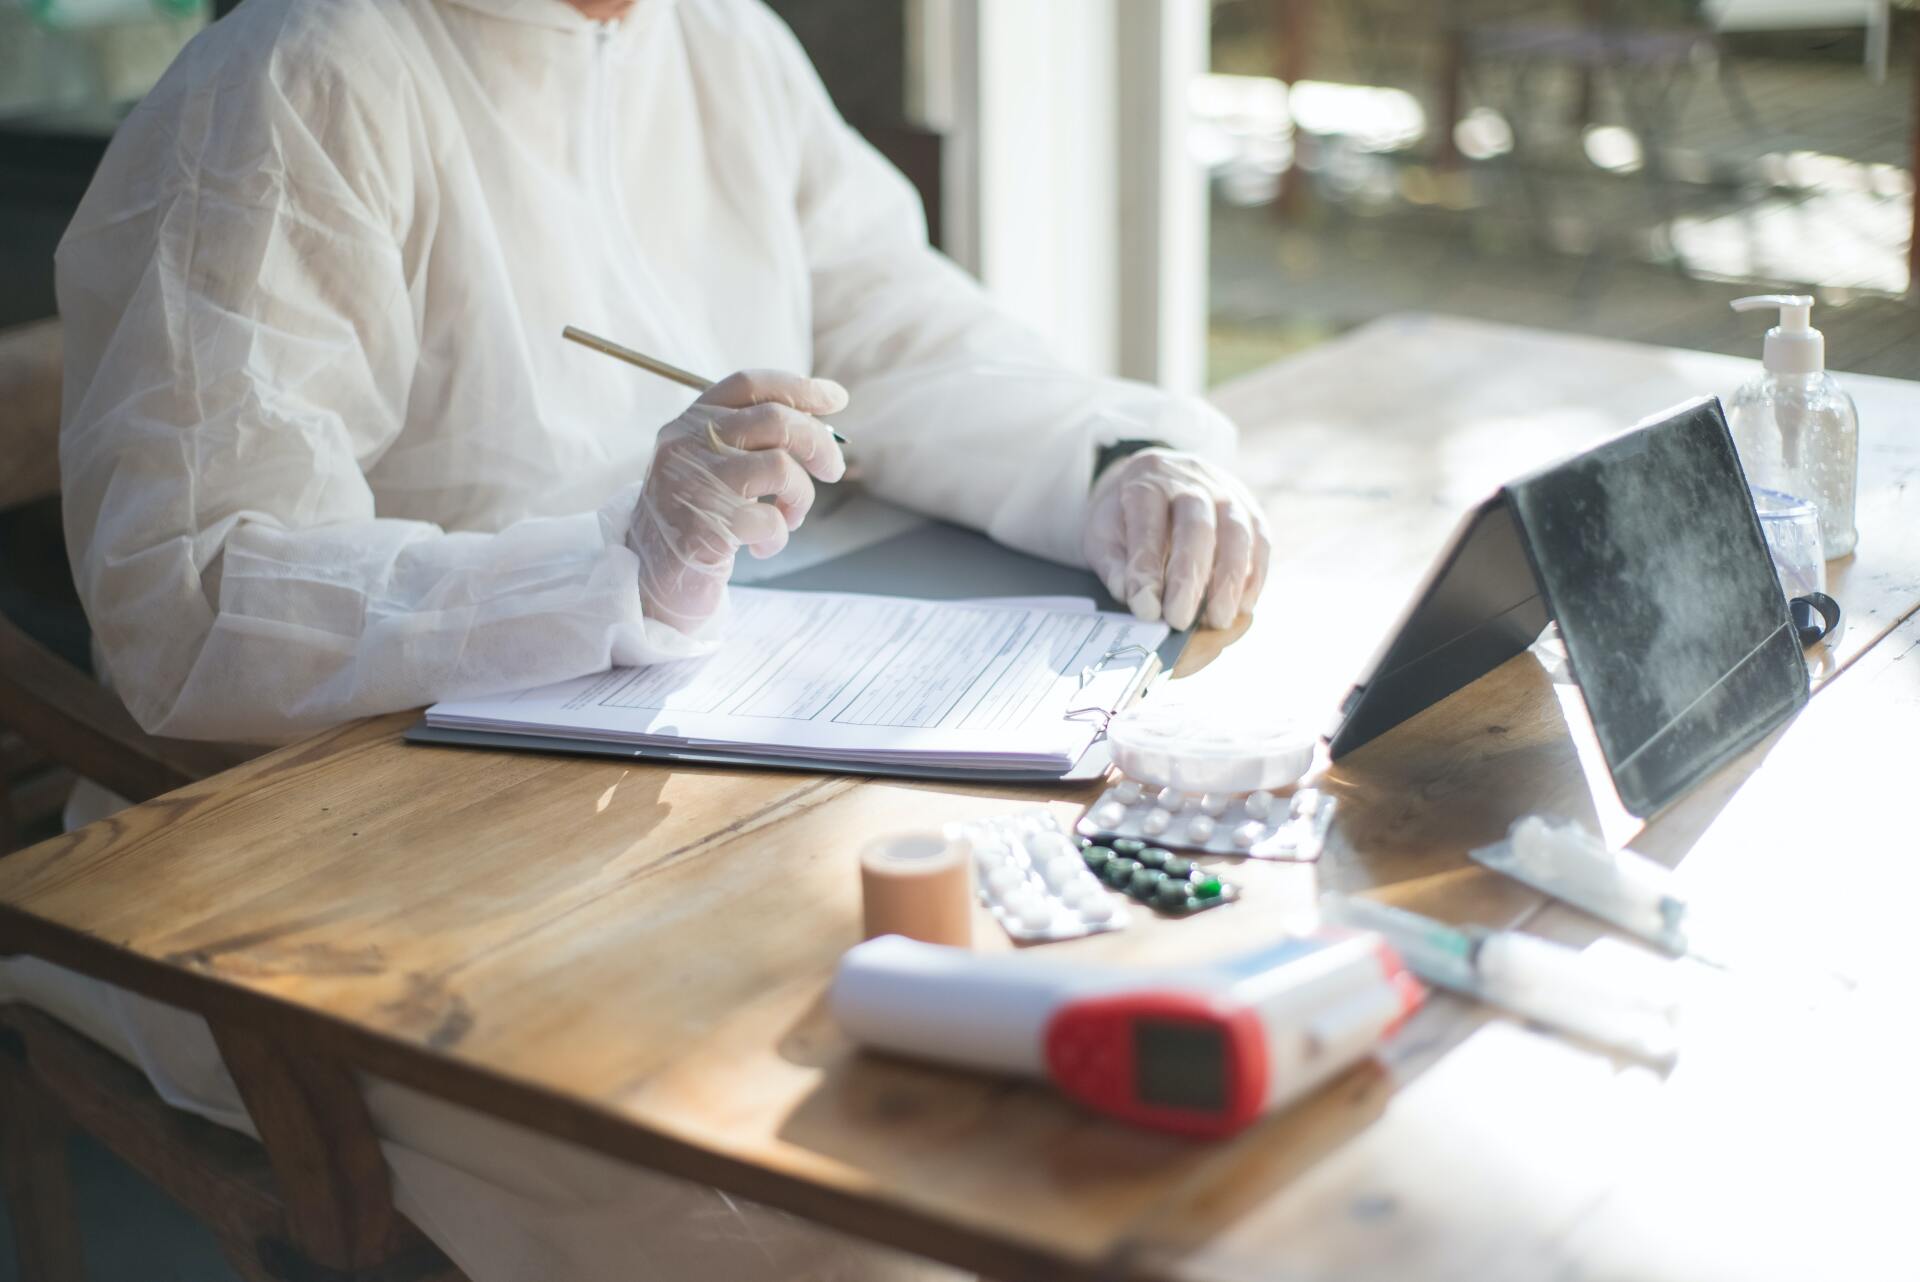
[(324, 454)]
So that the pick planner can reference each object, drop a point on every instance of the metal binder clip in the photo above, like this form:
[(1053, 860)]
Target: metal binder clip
[(1089, 673)]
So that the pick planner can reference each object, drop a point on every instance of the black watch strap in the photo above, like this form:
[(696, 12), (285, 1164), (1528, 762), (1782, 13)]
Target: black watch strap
[(1111, 454), (1816, 618)]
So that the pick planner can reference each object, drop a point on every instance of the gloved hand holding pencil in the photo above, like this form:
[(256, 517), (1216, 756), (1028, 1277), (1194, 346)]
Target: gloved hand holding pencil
[(750, 436)]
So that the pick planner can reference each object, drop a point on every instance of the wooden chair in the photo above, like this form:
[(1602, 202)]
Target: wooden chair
[(310, 1201)]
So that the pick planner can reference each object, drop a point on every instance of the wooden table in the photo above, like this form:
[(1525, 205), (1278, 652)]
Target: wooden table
[(634, 957)]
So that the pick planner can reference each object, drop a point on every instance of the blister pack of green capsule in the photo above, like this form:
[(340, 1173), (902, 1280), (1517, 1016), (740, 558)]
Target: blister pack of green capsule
[(1155, 876)]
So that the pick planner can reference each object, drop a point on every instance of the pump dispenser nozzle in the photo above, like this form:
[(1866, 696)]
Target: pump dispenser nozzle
[(1793, 346)]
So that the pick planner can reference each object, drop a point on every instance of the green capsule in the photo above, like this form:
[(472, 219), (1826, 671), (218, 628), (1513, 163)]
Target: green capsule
[(1207, 889), (1155, 857), (1179, 867), (1145, 882), (1172, 895), (1119, 871), (1128, 845), (1096, 857)]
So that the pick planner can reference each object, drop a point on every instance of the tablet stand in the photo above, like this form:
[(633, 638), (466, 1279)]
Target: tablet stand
[(1647, 553)]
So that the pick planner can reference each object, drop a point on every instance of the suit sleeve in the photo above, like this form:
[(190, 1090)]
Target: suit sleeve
[(957, 410)]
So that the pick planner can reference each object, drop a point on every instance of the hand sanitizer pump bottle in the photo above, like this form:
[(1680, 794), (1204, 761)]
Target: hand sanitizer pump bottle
[(1795, 428)]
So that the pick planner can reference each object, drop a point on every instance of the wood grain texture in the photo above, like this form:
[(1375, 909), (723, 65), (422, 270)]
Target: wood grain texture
[(222, 1178), (633, 957), (320, 1141), (73, 720)]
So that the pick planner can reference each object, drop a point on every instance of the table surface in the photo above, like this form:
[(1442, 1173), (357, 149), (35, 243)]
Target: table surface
[(633, 957)]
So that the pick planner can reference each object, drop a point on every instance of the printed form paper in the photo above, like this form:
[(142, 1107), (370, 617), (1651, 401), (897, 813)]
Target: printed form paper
[(845, 676)]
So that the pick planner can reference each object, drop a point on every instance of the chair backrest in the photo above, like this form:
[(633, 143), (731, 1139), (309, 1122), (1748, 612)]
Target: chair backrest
[(29, 412), (57, 708)]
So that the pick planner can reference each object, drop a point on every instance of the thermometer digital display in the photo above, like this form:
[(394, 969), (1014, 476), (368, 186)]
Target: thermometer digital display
[(1199, 1050)]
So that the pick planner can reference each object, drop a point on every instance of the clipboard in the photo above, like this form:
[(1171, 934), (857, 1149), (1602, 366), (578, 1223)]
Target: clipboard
[(854, 542)]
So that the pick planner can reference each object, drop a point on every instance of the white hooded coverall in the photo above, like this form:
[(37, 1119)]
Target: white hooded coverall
[(325, 455)]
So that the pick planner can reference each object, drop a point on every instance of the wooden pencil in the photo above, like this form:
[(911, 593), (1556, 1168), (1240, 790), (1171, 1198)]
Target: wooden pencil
[(608, 347)]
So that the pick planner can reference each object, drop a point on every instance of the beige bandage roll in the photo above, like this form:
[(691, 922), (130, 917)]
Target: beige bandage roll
[(919, 884)]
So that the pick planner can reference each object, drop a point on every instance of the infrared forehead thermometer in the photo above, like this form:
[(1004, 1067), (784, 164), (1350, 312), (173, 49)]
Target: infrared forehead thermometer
[(1198, 1050)]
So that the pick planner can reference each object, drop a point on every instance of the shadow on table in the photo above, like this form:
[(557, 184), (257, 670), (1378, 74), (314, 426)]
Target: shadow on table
[(1021, 1158), (1455, 776)]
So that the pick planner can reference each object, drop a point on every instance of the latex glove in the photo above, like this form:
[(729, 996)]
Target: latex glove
[(750, 436), (1167, 531)]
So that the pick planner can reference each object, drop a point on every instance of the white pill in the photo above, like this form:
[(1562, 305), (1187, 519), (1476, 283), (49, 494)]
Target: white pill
[(1097, 908), (1199, 828), (1168, 797), (1127, 792), (1155, 823), (1215, 803), (1004, 878), (1248, 835), (1034, 913), (1062, 870), (1110, 815), (1259, 804)]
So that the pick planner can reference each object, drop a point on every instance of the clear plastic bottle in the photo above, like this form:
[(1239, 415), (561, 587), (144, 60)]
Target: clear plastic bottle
[(1796, 429)]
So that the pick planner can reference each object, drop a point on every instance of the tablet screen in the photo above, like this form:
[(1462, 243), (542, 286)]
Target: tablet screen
[(1652, 561)]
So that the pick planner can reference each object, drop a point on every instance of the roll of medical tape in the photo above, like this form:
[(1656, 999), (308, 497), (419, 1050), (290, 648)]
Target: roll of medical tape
[(919, 884)]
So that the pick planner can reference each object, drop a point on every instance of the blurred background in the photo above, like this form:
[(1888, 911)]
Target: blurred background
[(1184, 191), (1616, 167)]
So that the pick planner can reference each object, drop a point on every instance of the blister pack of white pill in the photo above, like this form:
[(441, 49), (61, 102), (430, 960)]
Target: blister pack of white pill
[(1257, 824), (1029, 871)]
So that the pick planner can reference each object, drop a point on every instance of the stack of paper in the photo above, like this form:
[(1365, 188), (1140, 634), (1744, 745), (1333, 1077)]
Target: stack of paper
[(849, 679)]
